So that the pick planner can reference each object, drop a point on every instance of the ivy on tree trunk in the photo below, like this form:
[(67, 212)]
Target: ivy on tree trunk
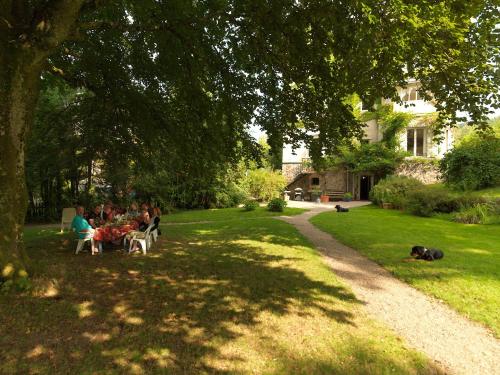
[(18, 95)]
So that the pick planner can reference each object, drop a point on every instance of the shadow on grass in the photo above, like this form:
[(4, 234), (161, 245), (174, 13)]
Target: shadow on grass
[(167, 311)]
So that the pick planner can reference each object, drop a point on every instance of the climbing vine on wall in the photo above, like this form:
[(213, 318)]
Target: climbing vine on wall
[(380, 158), (392, 123)]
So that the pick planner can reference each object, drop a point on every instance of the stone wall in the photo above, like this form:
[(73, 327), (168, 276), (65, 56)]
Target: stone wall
[(336, 180), (292, 170), (425, 170), (302, 183)]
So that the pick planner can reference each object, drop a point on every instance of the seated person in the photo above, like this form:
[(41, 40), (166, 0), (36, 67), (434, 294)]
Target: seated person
[(143, 226), (145, 221), (120, 210), (132, 212), (147, 206), (83, 228), (94, 217), (108, 213)]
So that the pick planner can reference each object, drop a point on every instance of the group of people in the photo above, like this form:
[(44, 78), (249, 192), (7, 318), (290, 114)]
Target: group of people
[(93, 223)]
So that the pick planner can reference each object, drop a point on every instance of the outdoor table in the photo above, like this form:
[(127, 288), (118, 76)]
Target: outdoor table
[(114, 232)]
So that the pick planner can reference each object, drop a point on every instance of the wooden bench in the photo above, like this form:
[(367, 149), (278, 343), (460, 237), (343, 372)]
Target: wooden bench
[(335, 194)]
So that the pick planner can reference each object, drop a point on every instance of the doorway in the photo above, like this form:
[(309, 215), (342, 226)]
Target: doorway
[(365, 185)]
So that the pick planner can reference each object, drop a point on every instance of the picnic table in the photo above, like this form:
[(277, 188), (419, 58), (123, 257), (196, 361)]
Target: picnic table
[(114, 232)]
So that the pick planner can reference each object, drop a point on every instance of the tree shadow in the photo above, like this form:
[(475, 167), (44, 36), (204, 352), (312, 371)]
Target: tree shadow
[(168, 311)]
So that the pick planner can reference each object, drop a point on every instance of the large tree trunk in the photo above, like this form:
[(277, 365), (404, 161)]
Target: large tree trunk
[(19, 88), (28, 36)]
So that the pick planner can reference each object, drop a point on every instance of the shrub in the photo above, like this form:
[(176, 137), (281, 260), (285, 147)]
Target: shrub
[(400, 202), (250, 205), (425, 201), (394, 189), (473, 164), (276, 205), (477, 214), (230, 196), (264, 184), (494, 207), (347, 196), (377, 158), (465, 201)]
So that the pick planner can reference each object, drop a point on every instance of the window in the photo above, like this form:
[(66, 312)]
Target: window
[(365, 141), (415, 141), (315, 181), (412, 94)]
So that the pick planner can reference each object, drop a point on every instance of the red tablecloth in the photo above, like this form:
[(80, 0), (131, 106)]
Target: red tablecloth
[(114, 232)]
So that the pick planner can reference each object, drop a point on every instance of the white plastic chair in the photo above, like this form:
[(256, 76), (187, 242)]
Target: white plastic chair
[(67, 217), (154, 232), (154, 235), (144, 242), (81, 244)]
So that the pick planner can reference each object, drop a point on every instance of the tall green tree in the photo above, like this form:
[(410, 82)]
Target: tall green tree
[(196, 72)]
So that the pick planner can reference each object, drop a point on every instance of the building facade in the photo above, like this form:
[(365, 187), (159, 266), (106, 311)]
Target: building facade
[(416, 139)]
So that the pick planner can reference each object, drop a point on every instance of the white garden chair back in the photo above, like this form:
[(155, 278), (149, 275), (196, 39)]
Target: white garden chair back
[(154, 235), (67, 217), (154, 232), (143, 238)]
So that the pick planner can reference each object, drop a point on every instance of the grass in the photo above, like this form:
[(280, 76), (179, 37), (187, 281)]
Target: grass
[(468, 278), (493, 192), (226, 214), (228, 297)]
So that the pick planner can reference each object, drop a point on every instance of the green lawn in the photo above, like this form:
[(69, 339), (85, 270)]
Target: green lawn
[(228, 297), (226, 214), (468, 278)]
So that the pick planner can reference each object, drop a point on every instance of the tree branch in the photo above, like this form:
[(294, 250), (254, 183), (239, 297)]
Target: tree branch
[(71, 80), (53, 25)]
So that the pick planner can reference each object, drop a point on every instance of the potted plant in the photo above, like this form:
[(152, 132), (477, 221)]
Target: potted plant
[(324, 198), (347, 197), (315, 195)]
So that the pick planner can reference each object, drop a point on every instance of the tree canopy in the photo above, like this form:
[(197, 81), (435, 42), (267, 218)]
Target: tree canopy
[(203, 69)]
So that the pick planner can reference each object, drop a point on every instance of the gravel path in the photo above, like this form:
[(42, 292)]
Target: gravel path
[(457, 344)]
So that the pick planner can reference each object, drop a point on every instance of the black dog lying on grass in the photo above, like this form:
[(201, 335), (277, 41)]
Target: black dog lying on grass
[(341, 209), (426, 254)]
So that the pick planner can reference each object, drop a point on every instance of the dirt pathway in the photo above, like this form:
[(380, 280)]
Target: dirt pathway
[(459, 345)]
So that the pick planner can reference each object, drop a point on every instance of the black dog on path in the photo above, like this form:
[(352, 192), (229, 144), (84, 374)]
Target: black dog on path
[(424, 253), (341, 209)]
